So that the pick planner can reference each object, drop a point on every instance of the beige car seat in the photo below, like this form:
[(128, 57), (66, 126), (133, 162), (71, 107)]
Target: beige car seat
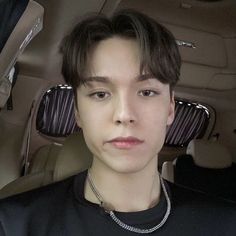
[(209, 154), (53, 163)]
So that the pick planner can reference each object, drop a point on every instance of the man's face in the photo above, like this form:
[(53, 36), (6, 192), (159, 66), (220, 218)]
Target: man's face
[(123, 114)]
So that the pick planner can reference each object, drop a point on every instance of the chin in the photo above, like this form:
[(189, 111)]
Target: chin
[(130, 166)]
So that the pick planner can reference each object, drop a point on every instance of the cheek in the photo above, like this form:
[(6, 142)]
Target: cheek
[(91, 122), (158, 116), (85, 116), (155, 128)]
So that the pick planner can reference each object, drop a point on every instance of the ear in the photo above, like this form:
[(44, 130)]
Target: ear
[(171, 114), (77, 117)]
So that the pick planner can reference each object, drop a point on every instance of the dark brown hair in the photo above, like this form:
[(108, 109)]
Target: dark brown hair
[(159, 51)]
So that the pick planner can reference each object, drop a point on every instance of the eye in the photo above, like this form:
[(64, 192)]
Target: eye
[(99, 95), (148, 93)]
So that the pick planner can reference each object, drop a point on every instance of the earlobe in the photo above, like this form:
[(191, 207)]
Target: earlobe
[(171, 114), (77, 117)]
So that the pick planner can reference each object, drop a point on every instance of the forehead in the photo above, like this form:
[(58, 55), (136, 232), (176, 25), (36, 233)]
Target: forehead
[(116, 61), (114, 56)]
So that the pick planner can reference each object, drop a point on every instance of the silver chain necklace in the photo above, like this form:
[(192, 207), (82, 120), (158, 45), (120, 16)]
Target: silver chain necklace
[(109, 210)]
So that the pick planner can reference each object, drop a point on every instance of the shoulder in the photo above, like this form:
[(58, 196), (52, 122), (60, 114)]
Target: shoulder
[(39, 193), (200, 204), (45, 207), (38, 200), (182, 194)]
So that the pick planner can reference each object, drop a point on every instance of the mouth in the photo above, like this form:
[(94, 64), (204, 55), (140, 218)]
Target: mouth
[(125, 142)]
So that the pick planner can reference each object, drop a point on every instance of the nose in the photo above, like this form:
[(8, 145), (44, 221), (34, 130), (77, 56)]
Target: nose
[(124, 111)]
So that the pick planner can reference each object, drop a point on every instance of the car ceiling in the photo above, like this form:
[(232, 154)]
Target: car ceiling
[(41, 58)]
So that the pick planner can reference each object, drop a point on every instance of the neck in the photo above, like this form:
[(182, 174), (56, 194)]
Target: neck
[(125, 192)]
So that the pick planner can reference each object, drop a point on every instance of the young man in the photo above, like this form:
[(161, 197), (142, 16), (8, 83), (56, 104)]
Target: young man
[(123, 70)]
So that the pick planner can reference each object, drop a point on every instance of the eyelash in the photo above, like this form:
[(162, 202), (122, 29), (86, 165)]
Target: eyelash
[(106, 94), (95, 95), (154, 93)]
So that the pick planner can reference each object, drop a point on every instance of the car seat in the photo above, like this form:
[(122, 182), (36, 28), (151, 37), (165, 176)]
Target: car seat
[(53, 163), (206, 167)]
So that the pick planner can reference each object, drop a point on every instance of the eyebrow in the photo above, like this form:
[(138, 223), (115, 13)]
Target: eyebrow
[(144, 77), (100, 79), (107, 80)]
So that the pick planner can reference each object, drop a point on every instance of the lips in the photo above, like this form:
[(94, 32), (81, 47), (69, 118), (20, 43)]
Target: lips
[(125, 142)]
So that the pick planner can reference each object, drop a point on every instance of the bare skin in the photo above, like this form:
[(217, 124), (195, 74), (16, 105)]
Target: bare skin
[(123, 116)]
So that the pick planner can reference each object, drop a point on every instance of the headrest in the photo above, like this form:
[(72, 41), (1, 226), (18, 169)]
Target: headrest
[(73, 158), (209, 154), (29, 24)]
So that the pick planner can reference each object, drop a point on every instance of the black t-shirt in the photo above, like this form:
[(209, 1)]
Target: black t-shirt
[(61, 209)]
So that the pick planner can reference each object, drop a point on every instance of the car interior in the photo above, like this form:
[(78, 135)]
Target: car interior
[(40, 142)]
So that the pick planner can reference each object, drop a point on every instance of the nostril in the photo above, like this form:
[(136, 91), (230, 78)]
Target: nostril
[(118, 122), (128, 121)]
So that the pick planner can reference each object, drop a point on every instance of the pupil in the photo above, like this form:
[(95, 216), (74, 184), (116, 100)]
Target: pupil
[(100, 95)]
